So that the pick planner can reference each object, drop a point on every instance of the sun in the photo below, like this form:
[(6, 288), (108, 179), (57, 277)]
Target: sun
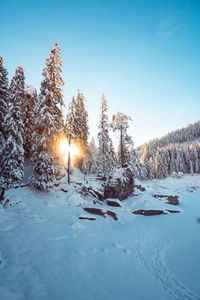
[(63, 148)]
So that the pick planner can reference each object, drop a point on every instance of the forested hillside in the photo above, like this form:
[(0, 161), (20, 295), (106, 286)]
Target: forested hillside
[(177, 151)]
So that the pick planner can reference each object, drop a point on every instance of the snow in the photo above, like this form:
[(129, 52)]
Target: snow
[(29, 89), (47, 252)]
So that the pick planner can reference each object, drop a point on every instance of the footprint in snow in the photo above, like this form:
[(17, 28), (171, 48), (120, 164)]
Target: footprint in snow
[(78, 226), (59, 238), (104, 250), (116, 246), (150, 250), (126, 251)]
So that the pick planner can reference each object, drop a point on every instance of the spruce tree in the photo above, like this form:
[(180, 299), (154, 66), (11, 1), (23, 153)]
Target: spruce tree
[(120, 123), (72, 128), (83, 120), (4, 100), (94, 152), (76, 126), (90, 161), (29, 106), (13, 153), (49, 123), (106, 150), (160, 165)]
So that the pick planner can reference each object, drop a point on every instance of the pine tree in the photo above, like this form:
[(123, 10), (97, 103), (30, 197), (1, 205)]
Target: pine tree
[(4, 100), (106, 150), (29, 106), (90, 161), (13, 152), (52, 84), (86, 166), (49, 123), (120, 122), (160, 165), (94, 152), (151, 168), (82, 119), (71, 129), (137, 168), (76, 126)]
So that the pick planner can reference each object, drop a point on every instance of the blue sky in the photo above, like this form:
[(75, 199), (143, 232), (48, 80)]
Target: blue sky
[(144, 55)]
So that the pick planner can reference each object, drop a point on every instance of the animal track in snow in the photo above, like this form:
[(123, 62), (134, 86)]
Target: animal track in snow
[(150, 251)]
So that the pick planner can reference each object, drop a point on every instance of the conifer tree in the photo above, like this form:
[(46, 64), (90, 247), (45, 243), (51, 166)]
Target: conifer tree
[(72, 128), (49, 122), (90, 162), (82, 120), (151, 168), (4, 100), (106, 150), (76, 126), (29, 106), (160, 165), (120, 122), (13, 153), (94, 156)]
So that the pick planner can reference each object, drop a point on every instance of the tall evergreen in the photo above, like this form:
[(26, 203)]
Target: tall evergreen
[(29, 106), (49, 122), (13, 152), (106, 150), (120, 123), (82, 120), (72, 128), (91, 159), (160, 165), (4, 99), (76, 126)]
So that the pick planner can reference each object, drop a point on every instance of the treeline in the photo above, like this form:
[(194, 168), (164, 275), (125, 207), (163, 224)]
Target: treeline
[(178, 151), (178, 136), (32, 124)]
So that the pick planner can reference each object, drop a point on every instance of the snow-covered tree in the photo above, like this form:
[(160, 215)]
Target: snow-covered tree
[(160, 165), (120, 123), (49, 123), (12, 162), (29, 106), (52, 83), (106, 160), (138, 169), (71, 124), (76, 126), (91, 159), (4, 99), (82, 121)]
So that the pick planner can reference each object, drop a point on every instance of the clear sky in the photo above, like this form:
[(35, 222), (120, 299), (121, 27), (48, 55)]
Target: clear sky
[(143, 54)]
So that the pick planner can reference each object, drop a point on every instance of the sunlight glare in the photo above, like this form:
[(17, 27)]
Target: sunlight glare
[(63, 147)]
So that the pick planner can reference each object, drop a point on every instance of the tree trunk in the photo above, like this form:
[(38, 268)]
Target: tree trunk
[(69, 159)]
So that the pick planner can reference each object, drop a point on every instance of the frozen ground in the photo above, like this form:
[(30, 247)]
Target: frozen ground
[(47, 252)]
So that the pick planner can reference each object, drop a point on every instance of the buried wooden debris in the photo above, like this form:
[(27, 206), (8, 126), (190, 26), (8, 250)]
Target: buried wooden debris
[(113, 203), (100, 212), (173, 211), (173, 200), (153, 212), (148, 212), (87, 218)]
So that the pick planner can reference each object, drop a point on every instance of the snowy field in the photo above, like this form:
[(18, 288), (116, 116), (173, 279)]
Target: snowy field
[(47, 252)]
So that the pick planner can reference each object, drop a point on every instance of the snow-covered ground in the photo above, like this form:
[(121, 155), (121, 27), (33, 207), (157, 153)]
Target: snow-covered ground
[(47, 252)]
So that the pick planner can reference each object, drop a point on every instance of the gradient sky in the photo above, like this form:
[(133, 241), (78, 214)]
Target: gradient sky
[(144, 55)]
